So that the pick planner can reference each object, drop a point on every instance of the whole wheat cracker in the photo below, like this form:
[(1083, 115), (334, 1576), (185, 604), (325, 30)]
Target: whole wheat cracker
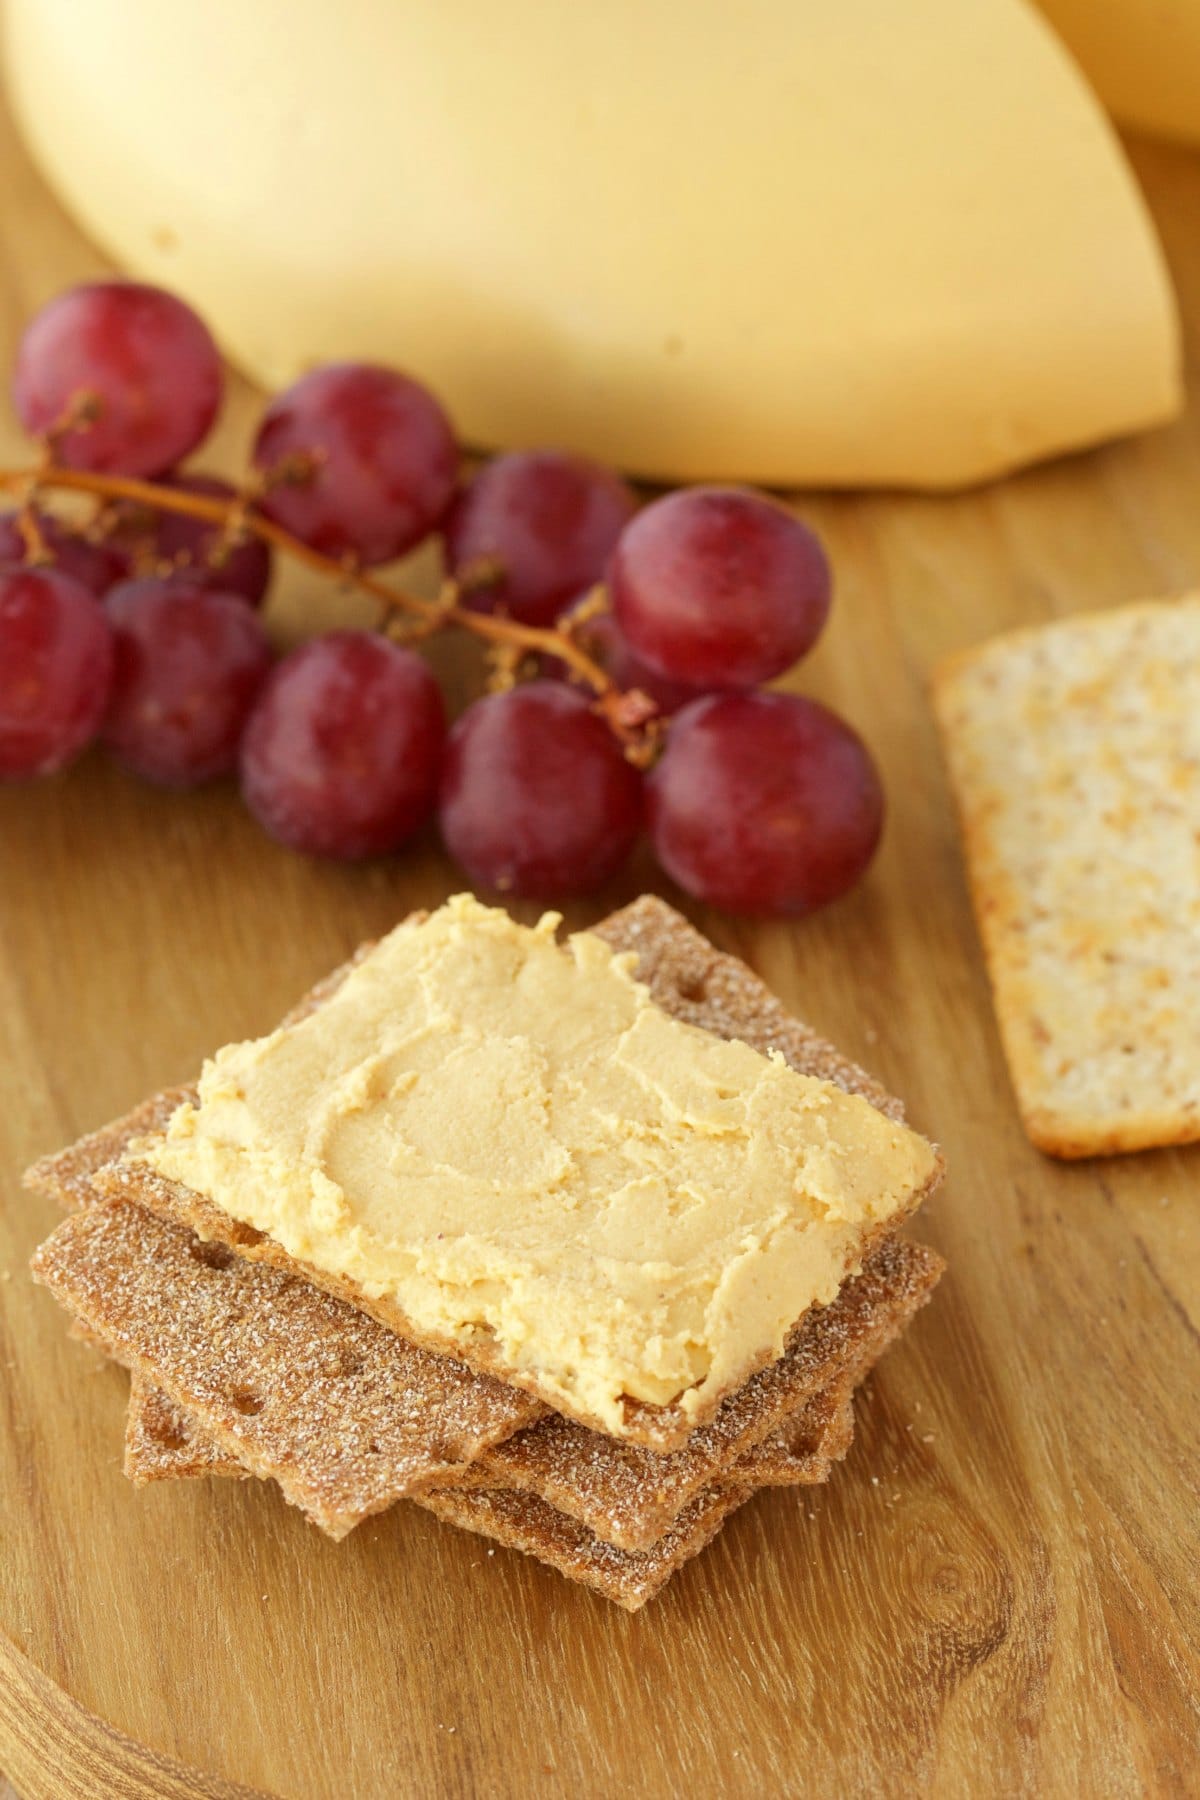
[(299, 1386), (68, 1177), (803, 1453), (1074, 753), (628, 1495), (688, 978), (530, 1524), (165, 1443), (800, 1454), (525, 1523), (625, 1491), (628, 1577), (291, 1381)]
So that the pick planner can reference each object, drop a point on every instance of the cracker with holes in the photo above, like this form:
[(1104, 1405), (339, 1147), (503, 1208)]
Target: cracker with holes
[(575, 1245), (1074, 752)]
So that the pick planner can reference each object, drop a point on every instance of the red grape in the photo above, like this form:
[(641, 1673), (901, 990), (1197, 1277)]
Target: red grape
[(141, 357), (537, 798), (718, 587), (764, 803), (383, 466), (96, 567), (342, 753), (602, 640), (549, 519), (56, 660), (177, 547), (189, 665)]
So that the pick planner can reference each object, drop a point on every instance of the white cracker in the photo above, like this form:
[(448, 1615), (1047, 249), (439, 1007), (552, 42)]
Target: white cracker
[(1074, 750)]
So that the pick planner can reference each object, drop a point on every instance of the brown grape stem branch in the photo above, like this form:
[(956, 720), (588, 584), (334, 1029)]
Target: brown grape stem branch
[(630, 715)]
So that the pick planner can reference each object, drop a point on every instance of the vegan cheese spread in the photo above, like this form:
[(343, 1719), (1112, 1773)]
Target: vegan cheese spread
[(506, 1136)]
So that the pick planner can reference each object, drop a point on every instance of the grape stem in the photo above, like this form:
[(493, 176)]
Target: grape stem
[(632, 715)]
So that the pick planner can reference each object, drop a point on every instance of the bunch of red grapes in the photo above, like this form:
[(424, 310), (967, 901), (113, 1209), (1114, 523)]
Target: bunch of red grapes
[(142, 629)]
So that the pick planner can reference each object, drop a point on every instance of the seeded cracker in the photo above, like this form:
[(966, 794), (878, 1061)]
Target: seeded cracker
[(1074, 750)]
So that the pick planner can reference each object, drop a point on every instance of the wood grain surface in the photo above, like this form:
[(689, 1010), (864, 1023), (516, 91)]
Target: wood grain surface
[(997, 1594)]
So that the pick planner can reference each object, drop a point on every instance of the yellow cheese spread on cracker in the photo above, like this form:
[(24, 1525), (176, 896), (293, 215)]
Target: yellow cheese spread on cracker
[(506, 1136)]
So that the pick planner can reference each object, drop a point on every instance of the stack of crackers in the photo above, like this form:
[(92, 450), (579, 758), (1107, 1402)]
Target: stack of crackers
[(245, 1362)]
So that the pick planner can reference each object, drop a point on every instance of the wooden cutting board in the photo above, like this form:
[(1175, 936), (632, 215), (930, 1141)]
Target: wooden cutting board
[(998, 1592)]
